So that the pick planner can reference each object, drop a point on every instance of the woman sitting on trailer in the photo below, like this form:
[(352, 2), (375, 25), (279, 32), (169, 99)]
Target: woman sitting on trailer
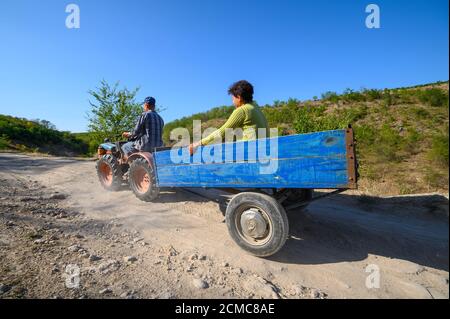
[(247, 116)]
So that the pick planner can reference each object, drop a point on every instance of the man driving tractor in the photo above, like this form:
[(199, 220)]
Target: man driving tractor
[(147, 133)]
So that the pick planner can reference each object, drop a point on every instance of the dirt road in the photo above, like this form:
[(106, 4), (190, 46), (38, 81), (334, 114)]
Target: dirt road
[(55, 217)]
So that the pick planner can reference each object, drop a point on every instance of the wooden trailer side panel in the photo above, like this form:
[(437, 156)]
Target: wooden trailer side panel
[(315, 160)]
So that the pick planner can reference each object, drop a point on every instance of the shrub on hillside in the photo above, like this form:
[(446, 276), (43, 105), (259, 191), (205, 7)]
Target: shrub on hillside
[(372, 95), (350, 95), (331, 97), (314, 119), (434, 97), (4, 142), (439, 149)]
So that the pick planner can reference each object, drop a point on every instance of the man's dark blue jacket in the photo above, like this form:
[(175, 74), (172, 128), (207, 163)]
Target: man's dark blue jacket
[(148, 132)]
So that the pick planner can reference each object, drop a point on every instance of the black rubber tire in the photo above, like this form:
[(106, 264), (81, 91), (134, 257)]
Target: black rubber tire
[(153, 191), (273, 210), (297, 195), (117, 174)]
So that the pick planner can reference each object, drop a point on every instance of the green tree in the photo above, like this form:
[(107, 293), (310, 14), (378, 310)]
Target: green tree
[(331, 96), (113, 111), (46, 124)]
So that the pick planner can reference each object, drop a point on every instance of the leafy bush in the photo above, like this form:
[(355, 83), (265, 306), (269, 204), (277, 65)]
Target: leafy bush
[(439, 149), (365, 134), (387, 144), (420, 112), (388, 98), (331, 97), (314, 119), (434, 97), (435, 178), (350, 95), (286, 113), (372, 95), (4, 142), (412, 141)]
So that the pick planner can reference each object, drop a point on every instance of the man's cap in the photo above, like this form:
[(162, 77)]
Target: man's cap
[(150, 100)]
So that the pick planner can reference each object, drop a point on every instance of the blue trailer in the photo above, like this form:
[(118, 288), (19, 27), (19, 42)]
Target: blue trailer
[(267, 176)]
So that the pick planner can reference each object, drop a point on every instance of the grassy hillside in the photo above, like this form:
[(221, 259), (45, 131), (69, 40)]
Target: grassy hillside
[(23, 135), (402, 134)]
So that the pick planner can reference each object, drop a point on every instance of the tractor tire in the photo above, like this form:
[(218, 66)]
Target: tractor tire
[(257, 223), (142, 180), (109, 172)]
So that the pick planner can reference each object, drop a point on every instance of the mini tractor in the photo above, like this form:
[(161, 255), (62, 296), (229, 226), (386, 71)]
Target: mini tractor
[(115, 168)]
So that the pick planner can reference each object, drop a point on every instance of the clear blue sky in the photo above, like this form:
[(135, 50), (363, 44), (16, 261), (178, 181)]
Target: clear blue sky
[(187, 53)]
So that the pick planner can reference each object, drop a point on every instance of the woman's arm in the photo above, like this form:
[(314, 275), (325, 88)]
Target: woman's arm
[(236, 120)]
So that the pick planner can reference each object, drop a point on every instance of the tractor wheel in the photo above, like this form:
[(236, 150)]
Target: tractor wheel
[(109, 172), (142, 180), (257, 223)]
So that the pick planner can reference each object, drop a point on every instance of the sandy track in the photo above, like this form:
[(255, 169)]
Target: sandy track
[(327, 255)]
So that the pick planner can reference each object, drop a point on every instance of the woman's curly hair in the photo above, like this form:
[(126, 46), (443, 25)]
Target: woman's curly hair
[(243, 89)]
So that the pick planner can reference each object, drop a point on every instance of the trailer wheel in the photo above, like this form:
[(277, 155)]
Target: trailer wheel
[(109, 172), (257, 223), (142, 180)]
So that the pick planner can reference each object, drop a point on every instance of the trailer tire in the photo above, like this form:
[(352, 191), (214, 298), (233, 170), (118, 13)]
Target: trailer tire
[(142, 181), (257, 223), (109, 172)]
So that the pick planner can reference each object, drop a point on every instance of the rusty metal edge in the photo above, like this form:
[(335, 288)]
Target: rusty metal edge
[(350, 146)]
